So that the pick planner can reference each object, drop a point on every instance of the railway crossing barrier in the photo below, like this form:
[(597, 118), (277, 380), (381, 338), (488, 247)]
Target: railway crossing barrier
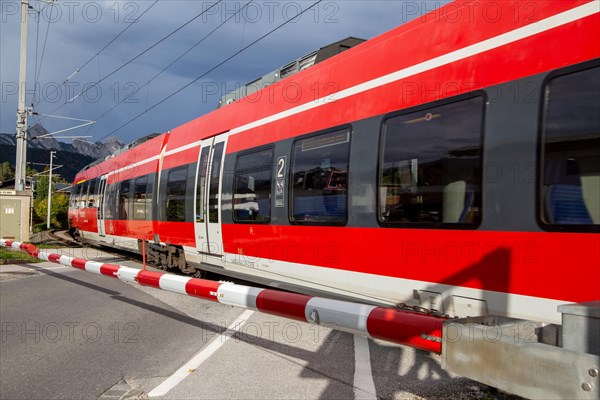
[(419, 330), (497, 351)]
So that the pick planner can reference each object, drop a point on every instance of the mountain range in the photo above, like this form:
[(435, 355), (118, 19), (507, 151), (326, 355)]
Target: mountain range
[(73, 156), (90, 149)]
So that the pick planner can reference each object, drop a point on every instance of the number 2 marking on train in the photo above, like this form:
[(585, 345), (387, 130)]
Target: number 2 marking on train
[(281, 167), (280, 182)]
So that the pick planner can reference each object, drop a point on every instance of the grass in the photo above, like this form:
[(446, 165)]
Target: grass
[(53, 245), (9, 256)]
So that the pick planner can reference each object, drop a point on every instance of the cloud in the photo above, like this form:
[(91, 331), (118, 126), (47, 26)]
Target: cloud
[(82, 28)]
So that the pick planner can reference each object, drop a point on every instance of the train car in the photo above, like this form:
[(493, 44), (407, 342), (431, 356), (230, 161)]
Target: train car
[(450, 164)]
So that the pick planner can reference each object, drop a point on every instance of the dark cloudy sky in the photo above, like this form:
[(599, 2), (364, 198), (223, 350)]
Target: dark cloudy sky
[(79, 29)]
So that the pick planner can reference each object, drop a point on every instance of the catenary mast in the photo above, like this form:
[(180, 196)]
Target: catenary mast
[(21, 161)]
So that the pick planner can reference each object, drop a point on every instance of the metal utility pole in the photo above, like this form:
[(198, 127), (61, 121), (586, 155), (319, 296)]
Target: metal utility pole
[(31, 208), (21, 161), (49, 191)]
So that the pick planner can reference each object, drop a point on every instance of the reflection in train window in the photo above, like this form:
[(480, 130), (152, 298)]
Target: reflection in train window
[(252, 192), (570, 193), (215, 182), (319, 186), (125, 200), (73, 198), (200, 186), (176, 185), (142, 198), (110, 204), (80, 194), (93, 193), (430, 172)]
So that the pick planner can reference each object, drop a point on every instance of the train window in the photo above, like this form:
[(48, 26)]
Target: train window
[(141, 202), (81, 193), (252, 192), (570, 156), (125, 200), (430, 166), (215, 173), (176, 186), (319, 182), (84, 194), (74, 195), (149, 195), (110, 203), (93, 193), (200, 209)]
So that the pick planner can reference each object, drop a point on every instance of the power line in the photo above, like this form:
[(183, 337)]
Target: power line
[(174, 61), (98, 52), (138, 56), (213, 68), (45, 42), (37, 47), (36, 73)]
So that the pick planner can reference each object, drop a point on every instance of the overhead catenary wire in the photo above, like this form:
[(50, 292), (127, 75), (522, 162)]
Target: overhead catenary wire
[(138, 56), (175, 60), (98, 53), (213, 68), (38, 70), (37, 46)]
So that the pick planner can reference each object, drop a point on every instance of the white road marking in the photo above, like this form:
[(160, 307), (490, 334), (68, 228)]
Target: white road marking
[(200, 357), (364, 387)]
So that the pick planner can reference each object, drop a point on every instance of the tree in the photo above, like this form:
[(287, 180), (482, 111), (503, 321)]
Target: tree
[(31, 171), (41, 187), (58, 212), (59, 208), (6, 171)]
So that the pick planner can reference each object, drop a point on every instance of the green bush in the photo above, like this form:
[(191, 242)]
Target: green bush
[(39, 227)]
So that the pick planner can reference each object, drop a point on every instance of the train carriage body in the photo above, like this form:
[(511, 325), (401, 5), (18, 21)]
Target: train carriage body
[(452, 163)]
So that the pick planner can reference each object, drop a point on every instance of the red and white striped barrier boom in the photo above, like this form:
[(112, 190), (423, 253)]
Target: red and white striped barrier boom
[(409, 328)]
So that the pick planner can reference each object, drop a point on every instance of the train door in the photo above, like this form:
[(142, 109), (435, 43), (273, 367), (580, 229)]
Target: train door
[(209, 239), (101, 191)]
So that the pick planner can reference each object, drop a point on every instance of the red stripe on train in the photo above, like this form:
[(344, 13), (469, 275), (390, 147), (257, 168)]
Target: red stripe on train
[(492, 68), (506, 262)]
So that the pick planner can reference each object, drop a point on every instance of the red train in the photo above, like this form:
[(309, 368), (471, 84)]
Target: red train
[(452, 163)]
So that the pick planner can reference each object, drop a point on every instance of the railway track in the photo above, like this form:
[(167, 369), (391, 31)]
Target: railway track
[(63, 237)]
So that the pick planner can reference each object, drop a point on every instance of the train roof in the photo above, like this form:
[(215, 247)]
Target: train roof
[(440, 46), (141, 149), (129, 146), (458, 43), (300, 64)]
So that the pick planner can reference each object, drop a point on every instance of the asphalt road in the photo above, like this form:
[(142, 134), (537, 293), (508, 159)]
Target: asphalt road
[(70, 334)]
